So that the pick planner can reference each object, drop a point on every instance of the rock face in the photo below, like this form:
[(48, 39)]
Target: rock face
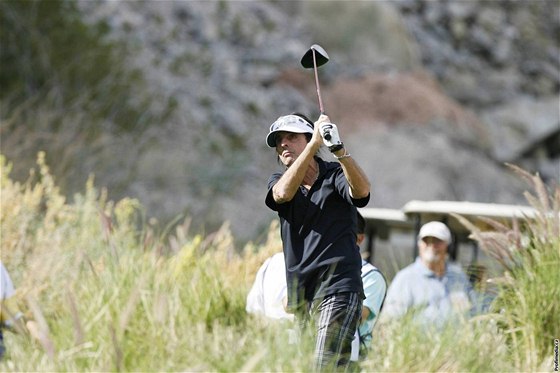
[(423, 163), (431, 97), (527, 132), (487, 52)]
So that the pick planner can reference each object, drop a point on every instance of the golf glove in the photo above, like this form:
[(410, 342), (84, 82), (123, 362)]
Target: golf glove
[(329, 132)]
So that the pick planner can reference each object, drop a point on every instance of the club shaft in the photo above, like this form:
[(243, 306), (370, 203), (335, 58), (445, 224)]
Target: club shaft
[(317, 83)]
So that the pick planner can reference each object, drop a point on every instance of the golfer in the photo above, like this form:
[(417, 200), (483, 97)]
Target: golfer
[(316, 201)]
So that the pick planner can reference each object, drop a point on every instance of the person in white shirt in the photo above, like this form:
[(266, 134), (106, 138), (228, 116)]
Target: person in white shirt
[(268, 295)]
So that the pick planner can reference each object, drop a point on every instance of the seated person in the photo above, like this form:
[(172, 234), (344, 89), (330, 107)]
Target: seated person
[(431, 285)]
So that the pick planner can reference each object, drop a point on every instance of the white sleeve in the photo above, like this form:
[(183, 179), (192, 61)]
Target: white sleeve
[(275, 288), (255, 298)]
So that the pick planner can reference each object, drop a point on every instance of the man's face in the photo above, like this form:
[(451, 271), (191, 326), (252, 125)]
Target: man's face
[(289, 146), (432, 250)]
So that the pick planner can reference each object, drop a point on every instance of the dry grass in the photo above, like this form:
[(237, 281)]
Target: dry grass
[(109, 292)]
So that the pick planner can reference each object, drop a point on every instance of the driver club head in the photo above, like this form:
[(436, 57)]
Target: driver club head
[(321, 57)]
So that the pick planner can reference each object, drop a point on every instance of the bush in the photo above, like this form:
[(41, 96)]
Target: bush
[(527, 305), (48, 50), (111, 291), (69, 90), (110, 294)]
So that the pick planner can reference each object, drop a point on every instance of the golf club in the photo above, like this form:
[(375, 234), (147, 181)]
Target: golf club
[(316, 56)]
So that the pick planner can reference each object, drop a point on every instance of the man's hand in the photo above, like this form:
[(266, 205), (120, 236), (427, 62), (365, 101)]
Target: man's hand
[(317, 135), (330, 135)]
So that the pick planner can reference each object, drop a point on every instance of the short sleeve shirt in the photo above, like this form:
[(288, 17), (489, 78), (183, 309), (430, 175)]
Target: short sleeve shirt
[(318, 228), (375, 289)]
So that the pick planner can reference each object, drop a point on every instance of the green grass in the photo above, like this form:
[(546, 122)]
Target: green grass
[(111, 292)]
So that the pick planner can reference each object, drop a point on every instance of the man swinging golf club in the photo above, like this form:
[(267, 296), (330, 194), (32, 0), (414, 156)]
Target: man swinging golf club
[(316, 202)]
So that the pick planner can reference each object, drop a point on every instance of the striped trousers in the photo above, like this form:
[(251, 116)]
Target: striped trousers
[(335, 319)]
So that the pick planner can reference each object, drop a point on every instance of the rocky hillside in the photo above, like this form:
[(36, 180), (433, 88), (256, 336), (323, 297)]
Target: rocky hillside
[(431, 98)]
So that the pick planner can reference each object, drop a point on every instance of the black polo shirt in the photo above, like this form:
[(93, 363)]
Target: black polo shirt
[(318, 229)]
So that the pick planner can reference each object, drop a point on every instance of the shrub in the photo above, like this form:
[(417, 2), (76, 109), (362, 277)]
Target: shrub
[(518, 334), (110, 294), (70, 90), (527, 305), (111, 291)]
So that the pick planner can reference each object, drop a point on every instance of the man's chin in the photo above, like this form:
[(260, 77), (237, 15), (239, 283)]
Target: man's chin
[(287, 161), (431, 259)]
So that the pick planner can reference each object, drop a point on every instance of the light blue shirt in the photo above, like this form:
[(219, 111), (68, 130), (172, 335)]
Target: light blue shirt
[(375, 289), (435, 298)]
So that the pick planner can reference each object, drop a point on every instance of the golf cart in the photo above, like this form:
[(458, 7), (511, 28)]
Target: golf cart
[(391, 234)]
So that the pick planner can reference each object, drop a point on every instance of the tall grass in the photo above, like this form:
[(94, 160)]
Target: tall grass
[(111, 291), (529, 301), (518, 333), (110, 296)]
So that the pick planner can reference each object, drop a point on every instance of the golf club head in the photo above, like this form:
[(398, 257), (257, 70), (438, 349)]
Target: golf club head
[(321, 57)]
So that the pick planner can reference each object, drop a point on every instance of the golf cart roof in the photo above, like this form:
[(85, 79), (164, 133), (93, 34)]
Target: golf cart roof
[(424, 211), (415, 213), (390, 217), (472, 209)]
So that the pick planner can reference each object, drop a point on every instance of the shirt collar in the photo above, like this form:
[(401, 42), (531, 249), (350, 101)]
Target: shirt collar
[(423, 270)]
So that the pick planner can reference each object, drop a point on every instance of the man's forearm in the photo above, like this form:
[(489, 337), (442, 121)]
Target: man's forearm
[(285, 189), (357, 179)]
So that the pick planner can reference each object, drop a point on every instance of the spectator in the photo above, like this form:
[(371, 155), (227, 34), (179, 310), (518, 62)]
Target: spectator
[(431, 285), (10, 317), (375, 289), (269, 294), (316, 202)]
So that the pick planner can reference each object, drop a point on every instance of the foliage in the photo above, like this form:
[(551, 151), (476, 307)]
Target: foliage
[(110, 296), (111, 291), (404, 345), (518, 333), (68, 89), (529, 311), (48, 49)]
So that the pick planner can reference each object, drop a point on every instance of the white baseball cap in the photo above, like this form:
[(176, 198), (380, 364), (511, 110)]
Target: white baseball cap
[(435, 229), (288, 123)]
